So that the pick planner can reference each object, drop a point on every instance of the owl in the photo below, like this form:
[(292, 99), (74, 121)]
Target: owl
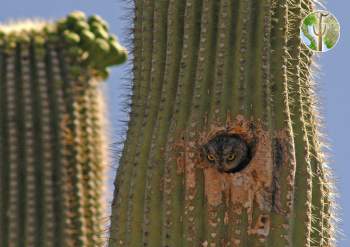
[(227, 152)]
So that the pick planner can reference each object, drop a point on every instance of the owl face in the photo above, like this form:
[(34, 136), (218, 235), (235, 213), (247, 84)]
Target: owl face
[(227, 152)]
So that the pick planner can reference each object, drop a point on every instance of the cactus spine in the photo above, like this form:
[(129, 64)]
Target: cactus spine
[(52, 157), (203, 67)]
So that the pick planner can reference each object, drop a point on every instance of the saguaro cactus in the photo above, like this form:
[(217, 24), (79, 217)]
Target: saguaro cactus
[(52, 156), (322, 28), (209, 68)]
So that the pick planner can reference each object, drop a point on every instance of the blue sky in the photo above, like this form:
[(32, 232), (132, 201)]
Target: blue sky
[(332, 81)]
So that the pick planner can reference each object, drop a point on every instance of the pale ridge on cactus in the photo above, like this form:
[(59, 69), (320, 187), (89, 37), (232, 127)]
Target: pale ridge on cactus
[(52, 131), (203, 68)]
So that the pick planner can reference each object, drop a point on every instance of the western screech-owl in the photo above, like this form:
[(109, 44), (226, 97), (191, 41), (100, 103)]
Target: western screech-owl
[(227, 152)]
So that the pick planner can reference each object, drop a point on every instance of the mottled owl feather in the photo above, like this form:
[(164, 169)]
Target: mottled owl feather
[(227, 152)]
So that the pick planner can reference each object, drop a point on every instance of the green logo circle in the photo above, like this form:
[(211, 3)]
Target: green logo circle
[(320, 31)]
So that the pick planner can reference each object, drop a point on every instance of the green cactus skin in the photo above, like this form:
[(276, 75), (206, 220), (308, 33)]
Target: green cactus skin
[(52, 145), (203, 66)]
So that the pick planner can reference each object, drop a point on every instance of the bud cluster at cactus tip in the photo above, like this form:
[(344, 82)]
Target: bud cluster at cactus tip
[(86, 39)]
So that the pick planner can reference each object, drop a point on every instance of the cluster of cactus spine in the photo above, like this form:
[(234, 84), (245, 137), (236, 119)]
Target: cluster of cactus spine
[(52, 147), (199, 64)]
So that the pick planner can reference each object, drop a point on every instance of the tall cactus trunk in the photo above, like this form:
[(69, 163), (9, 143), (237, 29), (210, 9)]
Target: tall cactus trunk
[(52, 156), (205, 68)]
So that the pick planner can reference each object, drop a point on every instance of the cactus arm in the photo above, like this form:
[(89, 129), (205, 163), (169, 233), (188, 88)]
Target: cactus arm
[(51, 130)]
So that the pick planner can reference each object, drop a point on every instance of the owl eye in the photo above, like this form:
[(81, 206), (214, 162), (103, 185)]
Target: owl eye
[(231, 157), (210, 157)]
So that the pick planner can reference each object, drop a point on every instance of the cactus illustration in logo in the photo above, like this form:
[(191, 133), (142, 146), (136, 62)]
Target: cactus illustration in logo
[(320, 31)]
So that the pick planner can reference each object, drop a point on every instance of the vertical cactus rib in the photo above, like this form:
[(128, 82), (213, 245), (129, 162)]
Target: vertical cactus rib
[(218, 99), (153, 207), (99, 163), (142, 50), (173, 193), (194, 224), (29, 144), (59, 176), (315, 152), (13, 107), (284, 173), (328, 229), (230, 91), (257, 62), (74, 153), (137, 190), (243, 56), (240, 12), (260, 82), (4, 150), (216, 229), (38, 145), (94, 162), (147, 46), (303, 178), (44, 150), (238, 218)]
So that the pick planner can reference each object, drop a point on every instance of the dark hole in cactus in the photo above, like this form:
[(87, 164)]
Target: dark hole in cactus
[(263, 225), (263, 219), (228, 152)]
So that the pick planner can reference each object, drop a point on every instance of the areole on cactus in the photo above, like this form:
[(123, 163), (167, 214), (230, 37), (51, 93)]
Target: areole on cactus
[(52, 144), (204, 68)]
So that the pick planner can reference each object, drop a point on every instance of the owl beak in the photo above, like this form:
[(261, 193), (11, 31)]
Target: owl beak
[(221, 168)]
